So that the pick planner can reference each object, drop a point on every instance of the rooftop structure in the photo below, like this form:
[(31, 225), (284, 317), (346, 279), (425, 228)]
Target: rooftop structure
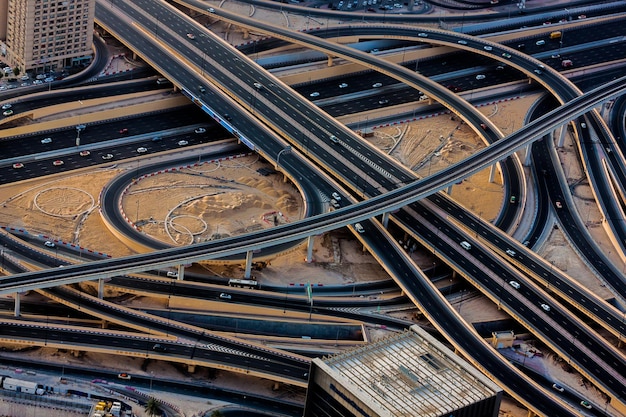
[(409, 374)]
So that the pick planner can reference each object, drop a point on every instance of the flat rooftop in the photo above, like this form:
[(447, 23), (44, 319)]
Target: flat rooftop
[(412, 374)]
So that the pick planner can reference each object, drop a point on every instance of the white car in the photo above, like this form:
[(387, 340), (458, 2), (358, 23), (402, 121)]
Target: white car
[(343, 85), (107, 156), (422, 35), (8, 112), (359, 228), (462, 42), (84, 153), (49, 80), (191, 36), (558, 387), (487, 48), (18, 165), (480, 77), (6, 106), (545, 307), (200, 130), (182, 143), (49, 244), (314, 94), (57, 163), (24, 78), (46, 140), (336, 196), (172, 274), (142, 150), (514, 284), (225, 296), (376, 85)]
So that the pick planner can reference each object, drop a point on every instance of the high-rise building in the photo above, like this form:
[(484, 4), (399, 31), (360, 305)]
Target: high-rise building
[(409, 374), (46, 35)]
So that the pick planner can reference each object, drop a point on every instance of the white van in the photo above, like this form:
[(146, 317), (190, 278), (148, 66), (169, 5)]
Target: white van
[(510, 252), (540, 42), (465, 245)]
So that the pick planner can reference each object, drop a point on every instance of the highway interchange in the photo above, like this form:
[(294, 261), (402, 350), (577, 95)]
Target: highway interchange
[(277, 106)]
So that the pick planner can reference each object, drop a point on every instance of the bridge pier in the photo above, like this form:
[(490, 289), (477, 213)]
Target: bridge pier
[(561, 140), (248, 271), (191, 368), (492, 173), (330, 61), (309, 249), (101, 288), (527, 154), (17, 312), (181, 272), (385, 219)]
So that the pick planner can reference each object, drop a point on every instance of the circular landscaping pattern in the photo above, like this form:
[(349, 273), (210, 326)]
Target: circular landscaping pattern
[(63, 201)]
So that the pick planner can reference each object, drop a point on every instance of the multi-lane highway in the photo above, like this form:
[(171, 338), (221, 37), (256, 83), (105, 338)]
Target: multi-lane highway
[(390, 201)]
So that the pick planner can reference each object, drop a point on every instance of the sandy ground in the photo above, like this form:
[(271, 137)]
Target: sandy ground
[(218, 200)]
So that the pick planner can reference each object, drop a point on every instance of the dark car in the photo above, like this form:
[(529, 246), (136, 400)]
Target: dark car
[(159, 348)]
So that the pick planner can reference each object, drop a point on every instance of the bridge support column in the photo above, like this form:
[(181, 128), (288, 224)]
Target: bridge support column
[(604, 112), (309, 249), (492, 173), (181, 272), (248, 270), (101, 288), (330, 61), (385, 219), (17, 312), (527, 155), (561, 140), (191, 368), (449, 190), (105, 324)]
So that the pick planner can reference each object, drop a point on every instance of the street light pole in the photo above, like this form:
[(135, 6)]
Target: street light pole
[(79, 127), (284, 150)]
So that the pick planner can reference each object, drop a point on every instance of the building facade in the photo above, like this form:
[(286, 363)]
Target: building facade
[(42, 36), (409, 374)]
